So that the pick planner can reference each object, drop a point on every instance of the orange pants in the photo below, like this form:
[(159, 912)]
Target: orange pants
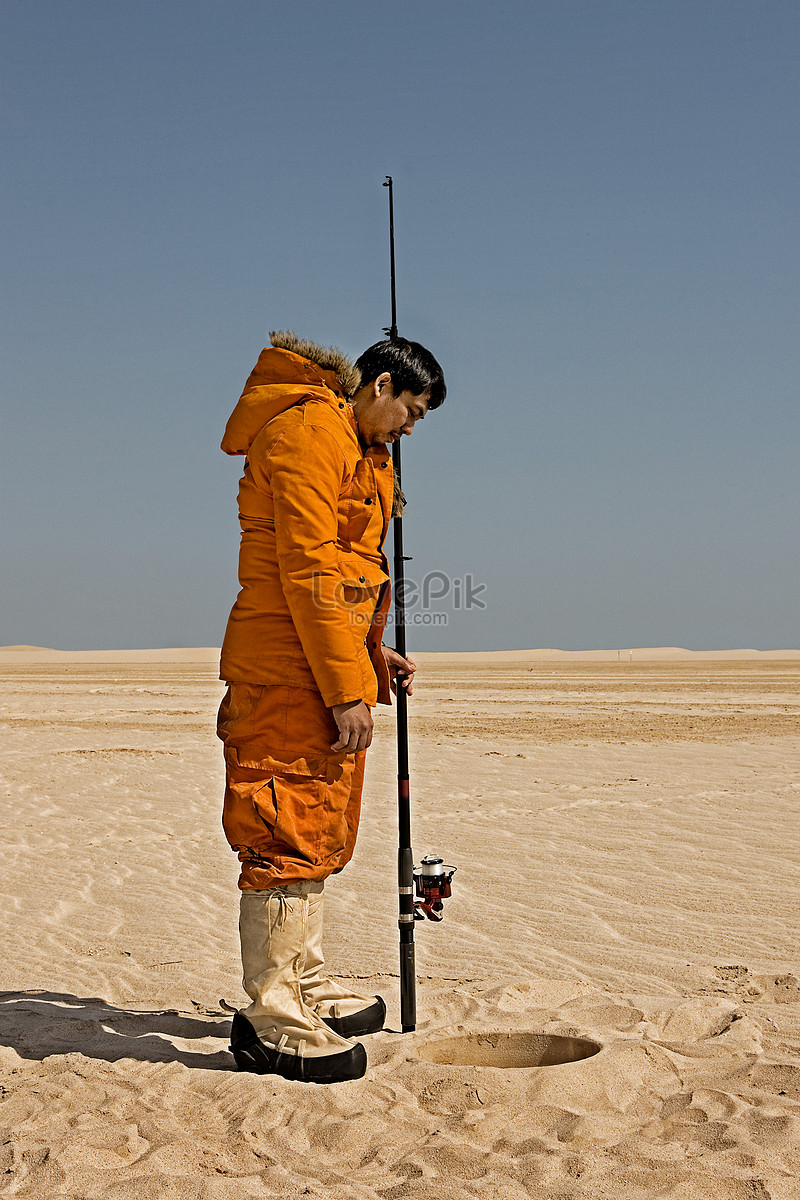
[(291, 805)]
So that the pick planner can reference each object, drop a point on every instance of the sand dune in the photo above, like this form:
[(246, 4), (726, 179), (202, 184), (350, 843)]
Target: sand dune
[(38, 655), (625, 835), (23, 655)]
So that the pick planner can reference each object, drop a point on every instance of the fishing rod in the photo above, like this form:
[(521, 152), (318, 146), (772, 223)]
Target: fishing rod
[(405, 855), (430, 881)]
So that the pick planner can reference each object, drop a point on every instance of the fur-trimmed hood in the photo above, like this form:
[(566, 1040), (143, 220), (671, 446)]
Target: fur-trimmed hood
[(287, 372), (328, 357)]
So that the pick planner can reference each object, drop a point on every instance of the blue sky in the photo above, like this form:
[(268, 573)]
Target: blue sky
[(597, 225)]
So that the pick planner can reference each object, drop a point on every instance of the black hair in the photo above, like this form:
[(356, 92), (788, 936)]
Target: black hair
[(412, 368)]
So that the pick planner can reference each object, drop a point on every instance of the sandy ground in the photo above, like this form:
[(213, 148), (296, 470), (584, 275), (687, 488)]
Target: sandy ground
[(626, 839)]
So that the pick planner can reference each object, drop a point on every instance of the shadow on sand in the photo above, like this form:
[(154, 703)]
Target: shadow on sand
[(37, 1024)]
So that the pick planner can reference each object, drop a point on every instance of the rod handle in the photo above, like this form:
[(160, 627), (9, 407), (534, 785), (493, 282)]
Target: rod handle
[(408, 985)]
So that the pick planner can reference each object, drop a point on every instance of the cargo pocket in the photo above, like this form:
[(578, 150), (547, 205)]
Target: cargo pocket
[(248, 813), (299, 802), (312, 813), (339, 823), (290, 817)]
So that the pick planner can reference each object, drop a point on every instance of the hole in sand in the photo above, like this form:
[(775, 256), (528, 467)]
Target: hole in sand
[(509, 1050)]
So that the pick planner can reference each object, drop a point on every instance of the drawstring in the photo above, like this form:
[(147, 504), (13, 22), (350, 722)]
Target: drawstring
[(283, 908)]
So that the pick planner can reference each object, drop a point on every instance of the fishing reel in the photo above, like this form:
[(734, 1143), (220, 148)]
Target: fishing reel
[(432, 879)]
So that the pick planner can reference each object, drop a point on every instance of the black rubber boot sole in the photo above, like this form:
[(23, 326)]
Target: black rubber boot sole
[(368, 1020), (251, 1054)]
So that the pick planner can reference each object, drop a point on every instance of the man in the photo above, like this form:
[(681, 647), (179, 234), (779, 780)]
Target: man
[(304, 661)]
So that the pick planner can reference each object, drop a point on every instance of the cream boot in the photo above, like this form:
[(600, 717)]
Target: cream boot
[(345, 1011), (278, 1033)]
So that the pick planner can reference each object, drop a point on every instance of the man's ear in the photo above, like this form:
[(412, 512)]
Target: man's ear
[(381, 382)]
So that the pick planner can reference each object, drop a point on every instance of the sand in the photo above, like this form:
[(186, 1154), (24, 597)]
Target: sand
[(625, 830)]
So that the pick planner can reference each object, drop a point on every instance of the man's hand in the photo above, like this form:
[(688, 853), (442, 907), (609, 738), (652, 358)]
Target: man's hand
[(399, 667), (355, 726)]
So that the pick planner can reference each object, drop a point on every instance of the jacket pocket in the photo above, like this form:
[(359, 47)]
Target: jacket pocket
[(361, 586), (361, 579), (359, 504)]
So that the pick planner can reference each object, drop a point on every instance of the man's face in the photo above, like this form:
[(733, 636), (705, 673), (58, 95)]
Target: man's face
[(384, 417)]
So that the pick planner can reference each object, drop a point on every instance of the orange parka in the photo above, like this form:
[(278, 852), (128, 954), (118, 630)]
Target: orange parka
[(314, 508)]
